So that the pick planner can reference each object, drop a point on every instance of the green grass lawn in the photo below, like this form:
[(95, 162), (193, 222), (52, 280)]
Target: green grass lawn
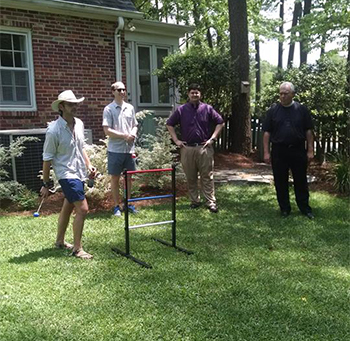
[(253, 276)]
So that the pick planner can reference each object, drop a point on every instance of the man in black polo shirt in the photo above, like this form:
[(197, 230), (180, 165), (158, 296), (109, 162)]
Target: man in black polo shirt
[(288, 125)]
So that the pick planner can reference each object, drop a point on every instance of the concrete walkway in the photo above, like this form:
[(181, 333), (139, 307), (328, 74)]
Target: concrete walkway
[(260, 175)]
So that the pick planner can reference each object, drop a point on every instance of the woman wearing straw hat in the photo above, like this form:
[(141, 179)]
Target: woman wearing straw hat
[(64, 150)]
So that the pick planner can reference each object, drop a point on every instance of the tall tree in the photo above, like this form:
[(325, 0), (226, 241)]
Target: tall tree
[(326, 22), (280, 40), (262, 27), (257, 74), (347, 102), (296, 17), (240, 134), (304, 38)]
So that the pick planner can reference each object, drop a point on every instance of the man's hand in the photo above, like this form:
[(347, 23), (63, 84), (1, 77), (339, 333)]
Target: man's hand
[(208, 143), (267, 157), (92, 172), (180, 144), (310, 155), (129, 138), (44, 192)]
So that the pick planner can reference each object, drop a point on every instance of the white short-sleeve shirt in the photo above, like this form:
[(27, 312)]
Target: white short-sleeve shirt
[(123, 120), (65, 149)]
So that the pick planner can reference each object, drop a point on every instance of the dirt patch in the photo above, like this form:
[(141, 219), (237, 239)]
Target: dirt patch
[(106, 204), (324, 178), (321, 171), (223, 161), (230, 160), (53, 203)]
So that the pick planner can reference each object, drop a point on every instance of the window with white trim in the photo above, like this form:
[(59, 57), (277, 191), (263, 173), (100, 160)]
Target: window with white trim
[(152, 90), (16, 71)]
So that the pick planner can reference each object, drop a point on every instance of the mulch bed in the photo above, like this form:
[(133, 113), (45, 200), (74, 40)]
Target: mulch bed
[(223, 160)]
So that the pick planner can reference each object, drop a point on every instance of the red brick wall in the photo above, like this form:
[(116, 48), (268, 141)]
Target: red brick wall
[(68, 53)]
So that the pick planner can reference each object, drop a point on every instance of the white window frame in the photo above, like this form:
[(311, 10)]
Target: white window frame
[(154, 79), (30, 68)]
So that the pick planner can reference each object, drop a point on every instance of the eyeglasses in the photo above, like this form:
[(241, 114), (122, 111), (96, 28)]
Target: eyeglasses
[(120, 90)]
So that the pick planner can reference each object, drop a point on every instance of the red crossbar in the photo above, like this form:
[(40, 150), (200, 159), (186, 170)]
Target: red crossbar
[(150, 170)]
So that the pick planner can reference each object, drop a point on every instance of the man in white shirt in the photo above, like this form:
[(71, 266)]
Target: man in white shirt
[(120, 125), (64, 149)]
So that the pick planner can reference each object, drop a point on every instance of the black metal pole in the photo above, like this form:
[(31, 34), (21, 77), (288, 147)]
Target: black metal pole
[(173, 185), (126, 212)]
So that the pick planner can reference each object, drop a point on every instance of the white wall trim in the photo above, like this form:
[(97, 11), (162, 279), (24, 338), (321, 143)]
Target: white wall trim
[(31, 73)]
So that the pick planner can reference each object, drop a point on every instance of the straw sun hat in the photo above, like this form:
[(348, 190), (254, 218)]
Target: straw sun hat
[(65, 96)]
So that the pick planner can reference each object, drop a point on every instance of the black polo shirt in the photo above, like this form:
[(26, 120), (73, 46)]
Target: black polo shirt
[(288, 125)]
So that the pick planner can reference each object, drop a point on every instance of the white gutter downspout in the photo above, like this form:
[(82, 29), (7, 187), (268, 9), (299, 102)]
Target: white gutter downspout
[(118, 49)]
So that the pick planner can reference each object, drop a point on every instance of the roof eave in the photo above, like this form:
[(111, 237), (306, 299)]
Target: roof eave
[(73, 9), (161, 28)]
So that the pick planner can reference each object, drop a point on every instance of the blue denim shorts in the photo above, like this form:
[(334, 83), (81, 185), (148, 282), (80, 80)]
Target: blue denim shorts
[(73, 189), (118, 162)]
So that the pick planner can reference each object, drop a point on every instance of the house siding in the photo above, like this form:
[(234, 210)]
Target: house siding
[(68, 53)]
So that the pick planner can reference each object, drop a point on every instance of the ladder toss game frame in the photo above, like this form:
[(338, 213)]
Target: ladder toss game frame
[(127, 227)]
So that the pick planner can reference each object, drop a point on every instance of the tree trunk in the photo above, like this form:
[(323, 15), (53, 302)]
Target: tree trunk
[(323, 45), (209, 38), (257, 74), (347, 104), (157, 7), (280, 42), (296, 16), (197, 20), (240, 116), (303, 50)]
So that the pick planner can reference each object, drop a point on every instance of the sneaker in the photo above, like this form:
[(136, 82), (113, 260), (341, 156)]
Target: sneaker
[(213, 208), (132, 209), (117, 212)]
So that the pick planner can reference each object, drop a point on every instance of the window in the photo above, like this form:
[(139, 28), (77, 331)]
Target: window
[(152, 90), (163, 83), (16, 71), (145, 84)]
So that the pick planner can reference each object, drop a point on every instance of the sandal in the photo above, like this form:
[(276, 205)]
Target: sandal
[(65, 245), (80, 253)]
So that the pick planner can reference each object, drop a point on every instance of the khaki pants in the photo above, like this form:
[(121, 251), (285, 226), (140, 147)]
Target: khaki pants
[(200, 160)]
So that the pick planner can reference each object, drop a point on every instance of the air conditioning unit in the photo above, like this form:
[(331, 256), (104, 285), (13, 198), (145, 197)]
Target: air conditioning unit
[(25, 169)]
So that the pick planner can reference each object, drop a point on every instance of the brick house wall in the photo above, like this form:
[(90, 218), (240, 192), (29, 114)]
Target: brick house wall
[(68, 53)]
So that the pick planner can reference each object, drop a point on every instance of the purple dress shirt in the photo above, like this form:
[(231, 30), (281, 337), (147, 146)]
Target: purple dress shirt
[(196, 122)]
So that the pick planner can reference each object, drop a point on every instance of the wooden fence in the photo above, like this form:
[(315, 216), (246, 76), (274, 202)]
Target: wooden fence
[(323, 144), (224, 141)]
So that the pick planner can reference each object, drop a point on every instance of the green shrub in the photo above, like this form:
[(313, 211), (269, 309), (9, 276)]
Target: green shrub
[(19, 194), (98, 158), (341, 172), (26, 199), (211, 68), (152, 152), (9, 189), (158, 152), (15, 149)]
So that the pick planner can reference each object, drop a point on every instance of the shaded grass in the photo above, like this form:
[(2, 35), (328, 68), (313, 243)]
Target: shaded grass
[(253, 276)]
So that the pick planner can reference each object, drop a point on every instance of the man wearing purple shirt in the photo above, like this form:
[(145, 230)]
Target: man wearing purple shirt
[(196, 145)]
